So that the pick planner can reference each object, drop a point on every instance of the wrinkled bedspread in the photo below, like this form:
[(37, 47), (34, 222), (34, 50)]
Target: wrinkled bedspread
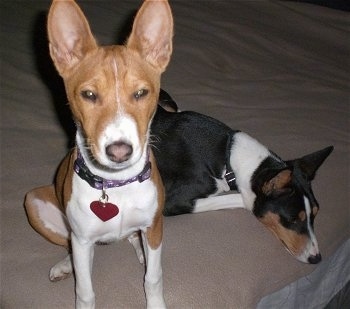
[(277, 70)]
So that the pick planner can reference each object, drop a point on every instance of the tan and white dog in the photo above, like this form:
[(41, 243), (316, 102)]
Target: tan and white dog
[(108, 187)]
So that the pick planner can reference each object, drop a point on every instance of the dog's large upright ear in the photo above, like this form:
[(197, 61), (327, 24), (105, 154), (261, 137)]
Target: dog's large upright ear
[(277, 182), (310, 163), (152, 33), (69, 33)]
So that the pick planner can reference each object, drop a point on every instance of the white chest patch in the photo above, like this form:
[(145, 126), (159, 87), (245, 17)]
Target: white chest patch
[(246, 155), (137, 203)]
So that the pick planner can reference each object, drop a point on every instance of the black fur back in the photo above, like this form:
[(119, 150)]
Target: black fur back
[(190, 149)]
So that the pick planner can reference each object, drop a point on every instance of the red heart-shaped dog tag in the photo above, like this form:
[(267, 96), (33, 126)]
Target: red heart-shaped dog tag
[(105, 211)]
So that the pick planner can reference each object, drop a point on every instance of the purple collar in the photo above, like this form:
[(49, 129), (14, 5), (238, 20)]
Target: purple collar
[(100, 183)]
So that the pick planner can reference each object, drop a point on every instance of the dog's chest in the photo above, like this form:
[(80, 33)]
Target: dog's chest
[(136, 202)]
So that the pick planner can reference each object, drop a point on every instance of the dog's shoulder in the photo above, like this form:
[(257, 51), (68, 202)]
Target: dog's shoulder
[(189, 121), (187, 143)]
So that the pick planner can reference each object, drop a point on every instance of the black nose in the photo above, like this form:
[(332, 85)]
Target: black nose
[(119, 151), (314, 259)]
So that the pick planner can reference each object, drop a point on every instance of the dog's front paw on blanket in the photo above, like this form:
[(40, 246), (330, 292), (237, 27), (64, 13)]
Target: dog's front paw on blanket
[(62, 269)]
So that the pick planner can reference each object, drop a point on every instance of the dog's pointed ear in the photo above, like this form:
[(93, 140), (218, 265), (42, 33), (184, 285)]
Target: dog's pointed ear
[(152, 33), (310, 163), (70, 37), (277, 181)]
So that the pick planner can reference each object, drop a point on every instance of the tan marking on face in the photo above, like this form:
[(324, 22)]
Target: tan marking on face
[(315, 210), (294, 242), (142, 110), (114, 75), (302, 215)]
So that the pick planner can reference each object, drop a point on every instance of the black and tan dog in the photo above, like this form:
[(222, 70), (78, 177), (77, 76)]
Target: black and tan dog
[(199, 157)]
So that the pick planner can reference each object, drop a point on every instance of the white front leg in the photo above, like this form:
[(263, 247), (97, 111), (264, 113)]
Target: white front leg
[(218, 202), (154, 276), (83, 254)]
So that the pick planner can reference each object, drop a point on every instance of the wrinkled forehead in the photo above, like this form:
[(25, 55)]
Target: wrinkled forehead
[(113, 63)]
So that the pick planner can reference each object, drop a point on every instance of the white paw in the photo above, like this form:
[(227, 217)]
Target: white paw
[(154, 294), (156, 303), (62, 269), (87, 304)]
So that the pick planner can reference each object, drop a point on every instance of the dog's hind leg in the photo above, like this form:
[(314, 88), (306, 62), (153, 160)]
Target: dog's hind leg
[(46, 217), (62, 270)]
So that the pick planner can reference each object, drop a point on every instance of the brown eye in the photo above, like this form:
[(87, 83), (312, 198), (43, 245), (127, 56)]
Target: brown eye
[(140, 94), (89, 95)]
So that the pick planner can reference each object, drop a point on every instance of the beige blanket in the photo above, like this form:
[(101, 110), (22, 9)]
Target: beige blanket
[(277, 70)]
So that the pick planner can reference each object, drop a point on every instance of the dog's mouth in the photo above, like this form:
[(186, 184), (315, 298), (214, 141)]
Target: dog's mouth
[(309, 254)]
